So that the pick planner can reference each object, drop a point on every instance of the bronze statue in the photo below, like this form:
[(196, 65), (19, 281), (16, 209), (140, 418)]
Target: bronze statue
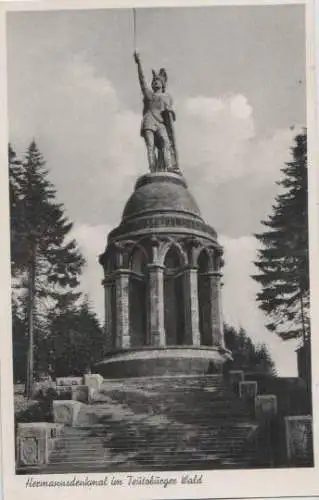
[(157, 124)]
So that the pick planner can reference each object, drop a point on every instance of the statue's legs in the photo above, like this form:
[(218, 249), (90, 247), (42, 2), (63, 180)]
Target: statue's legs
[(150, 146), (165, 145)]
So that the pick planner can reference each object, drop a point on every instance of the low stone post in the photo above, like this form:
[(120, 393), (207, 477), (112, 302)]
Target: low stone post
[(35, 441), (81, 393), (66, 412), (93, 381), (266, 407), (32, 444), (235, 377), (248, 389), (299, 447)]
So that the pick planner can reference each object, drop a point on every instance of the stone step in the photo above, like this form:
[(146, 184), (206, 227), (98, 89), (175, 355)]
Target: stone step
[(231, 442), (96, 433), (110, 466), (150, 454)]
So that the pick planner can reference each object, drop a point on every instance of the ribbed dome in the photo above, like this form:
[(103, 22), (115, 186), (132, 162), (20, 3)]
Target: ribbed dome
[(160, 192)]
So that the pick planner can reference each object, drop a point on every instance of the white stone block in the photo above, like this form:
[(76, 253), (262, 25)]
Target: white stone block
[(93, 381), (35, 441), (66, 412)]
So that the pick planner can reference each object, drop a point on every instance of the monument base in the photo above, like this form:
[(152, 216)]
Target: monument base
[(159, 361)]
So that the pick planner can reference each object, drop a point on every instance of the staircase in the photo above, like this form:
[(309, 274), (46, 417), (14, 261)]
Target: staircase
[(160, 423)]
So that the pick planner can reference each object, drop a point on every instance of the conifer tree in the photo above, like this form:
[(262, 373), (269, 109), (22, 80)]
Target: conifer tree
[(246, 355), (44, 257), (283, 259), (77, 340)]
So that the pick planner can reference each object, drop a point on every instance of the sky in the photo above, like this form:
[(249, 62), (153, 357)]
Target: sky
[(237, 77)]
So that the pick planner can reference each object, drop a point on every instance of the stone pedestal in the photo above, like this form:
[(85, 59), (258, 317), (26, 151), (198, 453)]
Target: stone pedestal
[(163, 249), (81, 393), (299, 447), (248, 390), (93, 381), (156, 305), (192, 334), (35, 441), (265, 407), (66, 412), (235, 377)]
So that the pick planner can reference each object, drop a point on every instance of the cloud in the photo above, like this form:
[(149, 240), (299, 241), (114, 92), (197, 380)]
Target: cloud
[(217, 137), (89, 139), (92, 242), (239, 302)]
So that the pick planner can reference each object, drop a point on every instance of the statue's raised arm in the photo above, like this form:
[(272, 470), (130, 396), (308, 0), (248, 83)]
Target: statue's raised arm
[(140, 72), (157, 123)]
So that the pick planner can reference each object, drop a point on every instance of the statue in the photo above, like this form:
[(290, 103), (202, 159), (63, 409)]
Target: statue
[(157, 123)]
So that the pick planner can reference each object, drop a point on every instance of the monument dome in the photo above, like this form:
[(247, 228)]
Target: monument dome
[(163, 192), (161, 202)]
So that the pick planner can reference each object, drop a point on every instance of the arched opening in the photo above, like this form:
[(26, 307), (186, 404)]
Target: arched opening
[(137, 298), (204, 297), (174, 315)]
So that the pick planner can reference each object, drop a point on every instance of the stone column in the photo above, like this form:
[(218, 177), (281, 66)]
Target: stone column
[(217, 327), (192, 334), (156, 305), (109, 341), (122, 339)]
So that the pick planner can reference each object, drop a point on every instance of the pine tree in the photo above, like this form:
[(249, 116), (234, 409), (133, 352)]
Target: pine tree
[(77, 340), (246, 355), (283, 260), (44, 257)]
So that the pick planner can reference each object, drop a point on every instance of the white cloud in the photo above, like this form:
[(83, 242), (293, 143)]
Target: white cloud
[(217, 137), (239, 302), (92, 242)]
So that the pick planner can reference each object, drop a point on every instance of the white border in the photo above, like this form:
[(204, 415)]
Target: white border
[(217, 484)]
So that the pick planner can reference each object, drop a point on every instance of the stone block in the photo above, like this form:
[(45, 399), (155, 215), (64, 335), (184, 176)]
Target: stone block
[(42, 387), (235, 377), (93, 381), (66, 412), (65, 391), (35, 441), (265, 406), (69, 381), (298, 430), (248, 389), (81, 393)]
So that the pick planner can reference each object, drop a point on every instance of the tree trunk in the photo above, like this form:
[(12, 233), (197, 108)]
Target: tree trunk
[(31, 299), (303, 323)]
